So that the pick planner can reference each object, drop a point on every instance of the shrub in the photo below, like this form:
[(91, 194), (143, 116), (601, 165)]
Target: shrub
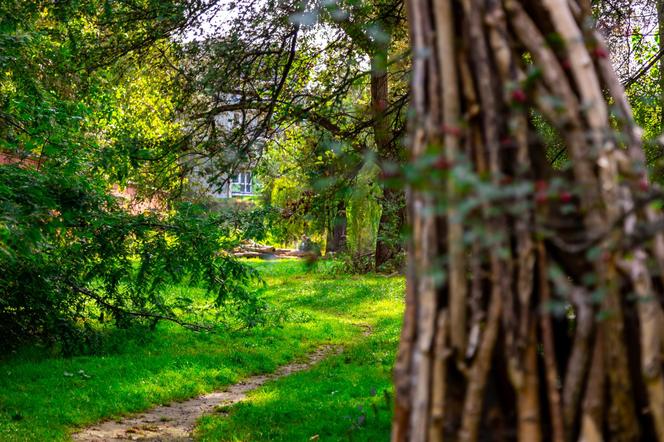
[(69, 255)]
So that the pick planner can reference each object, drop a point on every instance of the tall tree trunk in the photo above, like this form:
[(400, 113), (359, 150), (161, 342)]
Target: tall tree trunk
[(336, 237), (388, 243), (501, 241), (392, 219), (389, 150)]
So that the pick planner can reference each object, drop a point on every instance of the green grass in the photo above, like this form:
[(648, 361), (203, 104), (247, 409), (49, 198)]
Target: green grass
[(46, 398)]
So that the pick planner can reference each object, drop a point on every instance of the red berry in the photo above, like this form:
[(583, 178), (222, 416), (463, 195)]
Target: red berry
[(600, 52), (566, 64), (506, 142), (565, 197), (506, 180), (519, 96), (541, 194), (389, 173), (643, 184), (541, 186), (442, 163)]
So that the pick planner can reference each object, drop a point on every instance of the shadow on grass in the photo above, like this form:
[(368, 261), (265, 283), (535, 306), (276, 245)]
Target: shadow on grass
[(44, 398), (346, 397), (40, 400)]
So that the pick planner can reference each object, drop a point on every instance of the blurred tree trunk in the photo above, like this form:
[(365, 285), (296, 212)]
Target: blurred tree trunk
[(336, 232), (392, 220), (534, 294)]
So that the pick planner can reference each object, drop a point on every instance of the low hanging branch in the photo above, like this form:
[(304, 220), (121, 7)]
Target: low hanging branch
[(534, 296), (137, 314)]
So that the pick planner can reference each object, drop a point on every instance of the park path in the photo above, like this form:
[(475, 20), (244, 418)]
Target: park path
[(176, 422)]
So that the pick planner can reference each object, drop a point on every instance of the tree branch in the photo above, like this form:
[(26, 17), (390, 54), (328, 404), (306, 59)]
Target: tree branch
[(90, 294)]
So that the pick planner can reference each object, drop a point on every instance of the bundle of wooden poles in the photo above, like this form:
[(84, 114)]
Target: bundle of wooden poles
[(535, 288)]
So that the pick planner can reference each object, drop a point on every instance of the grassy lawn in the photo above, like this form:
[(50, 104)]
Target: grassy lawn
[(341, 398)]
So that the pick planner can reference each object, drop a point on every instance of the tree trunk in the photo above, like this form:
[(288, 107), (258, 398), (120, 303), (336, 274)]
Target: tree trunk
[(534, 295), (392, 219), (336, 237), (388, 243)]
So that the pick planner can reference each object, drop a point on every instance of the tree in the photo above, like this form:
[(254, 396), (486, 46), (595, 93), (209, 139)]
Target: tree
[(75, 101), (327, 70), (534, 294), (373, 28)]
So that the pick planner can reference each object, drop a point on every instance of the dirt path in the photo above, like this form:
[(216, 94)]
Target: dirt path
[(176, 422)]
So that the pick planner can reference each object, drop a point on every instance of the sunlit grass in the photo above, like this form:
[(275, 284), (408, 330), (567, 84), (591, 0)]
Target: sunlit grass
[(345, 397), (46, 398)]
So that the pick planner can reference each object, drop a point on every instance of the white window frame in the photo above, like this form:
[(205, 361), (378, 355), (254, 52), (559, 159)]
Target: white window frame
[(241, 184)]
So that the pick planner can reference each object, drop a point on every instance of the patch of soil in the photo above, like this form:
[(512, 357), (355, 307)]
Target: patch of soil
[(176, 422)]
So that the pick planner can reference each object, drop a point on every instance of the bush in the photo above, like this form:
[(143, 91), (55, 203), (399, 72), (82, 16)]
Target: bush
[(69, 255)]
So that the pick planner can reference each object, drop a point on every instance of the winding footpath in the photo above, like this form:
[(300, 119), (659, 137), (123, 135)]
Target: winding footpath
[(176, 422)]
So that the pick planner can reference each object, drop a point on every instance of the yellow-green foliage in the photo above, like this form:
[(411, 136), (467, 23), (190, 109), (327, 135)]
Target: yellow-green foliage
[(364, 211)]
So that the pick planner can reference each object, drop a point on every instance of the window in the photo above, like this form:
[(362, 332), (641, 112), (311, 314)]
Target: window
[(241, 184)]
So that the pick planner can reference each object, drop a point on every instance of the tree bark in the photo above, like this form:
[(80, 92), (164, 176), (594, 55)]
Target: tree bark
[(336, 231), (388, 148), (388, 243), (392, 220), (500, 243)]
